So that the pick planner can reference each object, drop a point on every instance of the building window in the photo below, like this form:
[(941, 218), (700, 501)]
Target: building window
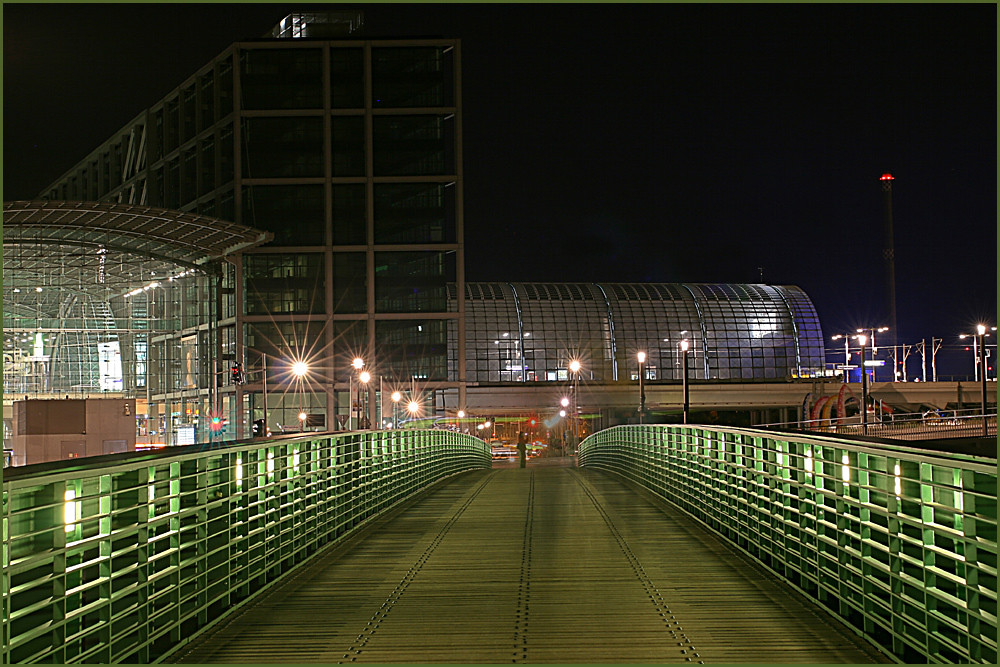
[(282, 147), (413, 349), (295, 214), (413, 145), (413, 282), (349, 215), (281, 78), (284, 284), (350, 291), (414, 213), (348, 142), (413, 77), (347, 78)]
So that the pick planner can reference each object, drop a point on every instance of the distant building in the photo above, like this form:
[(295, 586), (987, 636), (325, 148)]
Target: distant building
[(530, 332)]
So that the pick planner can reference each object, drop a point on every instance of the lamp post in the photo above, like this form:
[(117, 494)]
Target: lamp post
[(413, 408), (299, 370), (358, 363), (574, 367), (871, 337), (396, 397), (364, 377), (263, 375), (847, 354), (458, 421), (979, 343), (862, 341), (641, 356), (981, 333), (684, 377)]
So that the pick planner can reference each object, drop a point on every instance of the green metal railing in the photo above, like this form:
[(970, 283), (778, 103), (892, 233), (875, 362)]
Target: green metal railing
[(122, 558), (901, 544)]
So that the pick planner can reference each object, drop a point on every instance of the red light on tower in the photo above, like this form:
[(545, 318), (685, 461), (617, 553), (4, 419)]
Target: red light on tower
[(886, 177)]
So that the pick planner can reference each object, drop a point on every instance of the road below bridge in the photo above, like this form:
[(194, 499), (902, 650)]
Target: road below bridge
[(547, 564)]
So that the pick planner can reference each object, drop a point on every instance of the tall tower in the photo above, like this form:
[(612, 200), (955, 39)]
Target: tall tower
[(889, 256)]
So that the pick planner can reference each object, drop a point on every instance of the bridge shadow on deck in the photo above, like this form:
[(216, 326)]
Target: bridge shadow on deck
[(547, 564)]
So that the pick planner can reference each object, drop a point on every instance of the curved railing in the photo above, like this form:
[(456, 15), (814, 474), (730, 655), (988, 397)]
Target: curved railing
[(123, 558), (899, 543)]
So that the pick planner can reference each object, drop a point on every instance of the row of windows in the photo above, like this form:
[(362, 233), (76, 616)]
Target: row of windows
[(404, 213), (292, 78), (404, 349), (405, 282)]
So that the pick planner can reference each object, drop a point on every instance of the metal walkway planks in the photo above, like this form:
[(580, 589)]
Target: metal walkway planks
[(548, 564)]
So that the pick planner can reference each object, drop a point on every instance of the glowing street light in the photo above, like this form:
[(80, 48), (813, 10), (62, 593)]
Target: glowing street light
[(300, 369), (871, 338), (862, 341), (564, 402), (396, 397), (642, 388), (847, 353), (364, 377), (684, 377), (979, 343), (574, 367), (358, 363)]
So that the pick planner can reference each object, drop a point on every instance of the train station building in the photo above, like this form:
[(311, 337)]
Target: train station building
[(299, 199)]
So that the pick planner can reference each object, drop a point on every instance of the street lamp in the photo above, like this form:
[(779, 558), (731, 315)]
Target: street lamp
[(396, 397), (642, 388), (979, 341), (847, 354), (574, 367), (357, 363), (364, 377), (299, 370), (977, 346), (862, 341), (684, 377), (871, 337)]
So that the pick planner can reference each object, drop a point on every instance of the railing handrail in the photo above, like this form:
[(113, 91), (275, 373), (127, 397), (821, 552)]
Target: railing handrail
[(122, 558), (898, 543)]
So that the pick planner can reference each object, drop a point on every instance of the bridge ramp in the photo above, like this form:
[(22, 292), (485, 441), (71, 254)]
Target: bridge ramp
[(547, 564)]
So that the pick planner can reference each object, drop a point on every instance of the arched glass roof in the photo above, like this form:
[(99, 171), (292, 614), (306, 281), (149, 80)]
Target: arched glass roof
[(82, 278), (184, 239), (529, 332)]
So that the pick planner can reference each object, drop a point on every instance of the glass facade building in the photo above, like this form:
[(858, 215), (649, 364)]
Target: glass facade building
[(530, 332), (348, 151)]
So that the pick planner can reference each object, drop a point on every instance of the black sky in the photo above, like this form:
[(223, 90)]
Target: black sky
[(616, 142)]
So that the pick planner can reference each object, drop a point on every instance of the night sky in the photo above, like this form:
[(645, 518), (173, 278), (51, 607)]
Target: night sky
[(674, 143)]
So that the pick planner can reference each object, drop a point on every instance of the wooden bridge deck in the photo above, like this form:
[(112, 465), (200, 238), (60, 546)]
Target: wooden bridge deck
[(548, 564)]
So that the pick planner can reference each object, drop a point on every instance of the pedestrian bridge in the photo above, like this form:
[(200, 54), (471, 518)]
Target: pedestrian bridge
[(660, 544)]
